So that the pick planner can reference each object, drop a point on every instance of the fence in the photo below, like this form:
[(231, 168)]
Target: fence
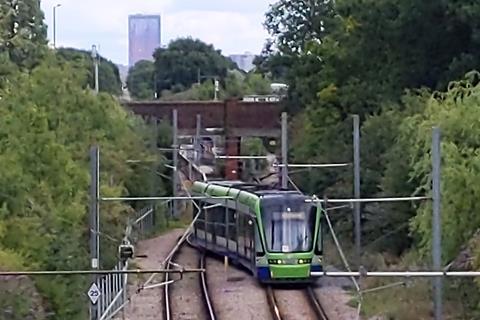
[(113, 287)]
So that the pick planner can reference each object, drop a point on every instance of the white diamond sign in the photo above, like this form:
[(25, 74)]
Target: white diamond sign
[(94, 293)]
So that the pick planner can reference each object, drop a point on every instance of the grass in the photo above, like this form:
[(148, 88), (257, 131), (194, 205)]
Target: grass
[(411, 300)]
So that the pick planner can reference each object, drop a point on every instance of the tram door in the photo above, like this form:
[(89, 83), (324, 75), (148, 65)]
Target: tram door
[(254, 244)]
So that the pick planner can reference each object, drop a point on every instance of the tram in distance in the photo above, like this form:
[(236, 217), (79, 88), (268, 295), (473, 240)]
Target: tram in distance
[(273, 233)]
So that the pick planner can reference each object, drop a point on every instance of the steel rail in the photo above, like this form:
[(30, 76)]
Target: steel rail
[(166, 292), (205, 291), (272, 303), (315, 304)]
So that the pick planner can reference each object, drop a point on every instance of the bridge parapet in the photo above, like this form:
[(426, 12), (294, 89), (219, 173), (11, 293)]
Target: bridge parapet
[(237, 118)]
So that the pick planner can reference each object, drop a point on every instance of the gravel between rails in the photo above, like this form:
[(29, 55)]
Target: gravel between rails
[(241, 297), (335, 299), (148, 304), (186, 298), (316, 304), (293, 304), (238, 297)]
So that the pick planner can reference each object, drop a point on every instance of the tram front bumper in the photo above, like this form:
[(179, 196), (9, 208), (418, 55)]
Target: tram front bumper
[(289, 271)]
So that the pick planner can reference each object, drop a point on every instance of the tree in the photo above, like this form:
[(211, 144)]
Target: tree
[(202, 92), (44, 177), (23, 35), (273, 65), (257, 84), (140, 80), (294, 23), (108, 74), (179, 65), (365, 57)]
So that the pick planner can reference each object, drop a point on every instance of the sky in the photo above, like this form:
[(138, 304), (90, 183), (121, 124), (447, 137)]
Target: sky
[(233, 26)]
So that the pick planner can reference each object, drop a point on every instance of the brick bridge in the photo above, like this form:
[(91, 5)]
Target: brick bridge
[(237, 118)]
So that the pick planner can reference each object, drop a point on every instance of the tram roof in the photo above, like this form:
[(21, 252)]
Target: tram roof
[(257, 189)]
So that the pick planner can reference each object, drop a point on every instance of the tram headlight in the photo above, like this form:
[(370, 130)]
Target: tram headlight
[(275, 261), (304, 261)]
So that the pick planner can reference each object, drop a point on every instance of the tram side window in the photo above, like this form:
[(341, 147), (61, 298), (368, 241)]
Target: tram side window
[(241, 233), (232, 224), (200, 223), (217, 218), (319, 247), (250, 235)]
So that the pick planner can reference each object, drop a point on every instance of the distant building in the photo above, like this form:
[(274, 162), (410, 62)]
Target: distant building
[(123, 72), (244, 61), (144, 37)]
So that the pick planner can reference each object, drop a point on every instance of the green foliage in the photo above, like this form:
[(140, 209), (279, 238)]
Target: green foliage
[(236, 85), (257, 84), (359, 58), (177, 67), (22, 32), (108, 74), (140, 80), (456, 112), (202, 92), (292, 23), (48, 122), (274, 65)]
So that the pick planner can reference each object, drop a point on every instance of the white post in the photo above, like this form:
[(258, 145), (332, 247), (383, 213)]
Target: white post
[(95, 64)]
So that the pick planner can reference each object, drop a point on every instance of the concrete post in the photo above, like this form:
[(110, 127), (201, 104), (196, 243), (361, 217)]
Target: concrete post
[(436, 223), (356, 187), (94, 221), (175, 147)]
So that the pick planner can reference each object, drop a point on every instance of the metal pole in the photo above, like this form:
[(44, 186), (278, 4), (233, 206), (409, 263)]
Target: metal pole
[(125, 293), (198, 133), (175, 160), (155, 91), (356, 187), (94, 220), (54, 27), (55, 24), (97, 85), (437, 222), (285, 150), (95, 64), (217, 88), (153, 182)]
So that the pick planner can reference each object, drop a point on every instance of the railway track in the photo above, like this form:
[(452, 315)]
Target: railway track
[(279, 312), (204, 286), (207, 310), (273, 304), (315, 304), (166, 294)]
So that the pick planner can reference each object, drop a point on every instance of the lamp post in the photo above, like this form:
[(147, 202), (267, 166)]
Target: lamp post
[(55, 24), (216, 84), (95, 63)]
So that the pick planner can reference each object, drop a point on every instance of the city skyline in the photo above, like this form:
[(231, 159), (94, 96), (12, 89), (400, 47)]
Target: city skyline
[(144, 37), (233, 27)]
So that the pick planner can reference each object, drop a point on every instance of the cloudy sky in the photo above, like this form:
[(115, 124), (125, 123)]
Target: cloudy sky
[(234, 26)]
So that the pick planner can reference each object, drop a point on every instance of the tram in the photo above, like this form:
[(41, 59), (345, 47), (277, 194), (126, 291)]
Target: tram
[(273, 233)]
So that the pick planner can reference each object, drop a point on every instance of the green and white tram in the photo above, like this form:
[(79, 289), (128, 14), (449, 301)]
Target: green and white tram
[(276, 234)]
